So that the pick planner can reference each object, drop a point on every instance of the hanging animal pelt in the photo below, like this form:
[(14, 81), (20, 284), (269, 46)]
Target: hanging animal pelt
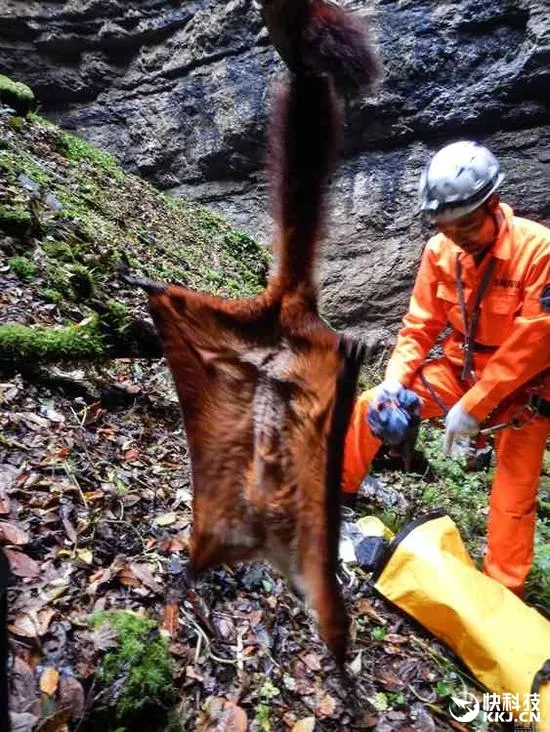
[(265, 387)]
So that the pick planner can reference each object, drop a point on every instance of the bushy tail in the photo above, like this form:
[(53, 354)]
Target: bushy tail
[(303, 142), (328, 51)]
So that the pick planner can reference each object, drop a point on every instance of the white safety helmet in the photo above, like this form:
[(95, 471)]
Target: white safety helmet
[(458, 179)]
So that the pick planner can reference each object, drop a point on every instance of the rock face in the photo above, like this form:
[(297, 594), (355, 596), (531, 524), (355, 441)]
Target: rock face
[(180, 91)]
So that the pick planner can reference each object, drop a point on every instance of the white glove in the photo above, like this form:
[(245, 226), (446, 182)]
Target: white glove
[(388, 386), (458, 423)]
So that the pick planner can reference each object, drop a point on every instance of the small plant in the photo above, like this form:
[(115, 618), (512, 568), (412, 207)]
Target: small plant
[(137, 673), (17, 124), (117, 316), (59, 250), (262, 711), (537, 588), (23, 268), (82, 282), (51, 295), (378, 633)]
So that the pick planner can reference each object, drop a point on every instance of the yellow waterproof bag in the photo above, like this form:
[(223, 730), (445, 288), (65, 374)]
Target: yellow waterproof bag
[(427, 572)]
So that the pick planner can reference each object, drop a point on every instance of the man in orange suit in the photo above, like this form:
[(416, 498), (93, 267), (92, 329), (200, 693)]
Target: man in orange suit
[(486, 274)]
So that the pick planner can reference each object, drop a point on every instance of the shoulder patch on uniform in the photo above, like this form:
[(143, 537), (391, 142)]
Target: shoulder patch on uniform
[(545, 299)]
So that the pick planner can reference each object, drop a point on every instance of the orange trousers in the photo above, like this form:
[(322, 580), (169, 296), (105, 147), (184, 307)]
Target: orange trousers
[(519, 455)]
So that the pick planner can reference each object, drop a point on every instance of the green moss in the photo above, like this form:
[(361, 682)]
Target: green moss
[(73, 280), (82, 282), (51, 295), (58, 278), (40, 344), (16, 95), (76, 149), (14, 221), (13, 161), (140, 667), (23, 268), (17, 124), (117, 316), (59, 250), (33, 117)]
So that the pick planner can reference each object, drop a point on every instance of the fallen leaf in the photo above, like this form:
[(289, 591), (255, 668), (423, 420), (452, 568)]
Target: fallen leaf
[(58, 722), (183, 495), (21, 565), (256, 617), (356, 665), (131, 454), (201, 609), (8, 476), (45, 617), (234, 718), (144, 574), (71, 696), (368, 721), (169, 621), (220, 715), (85, 556), (32, 624), (365, 608), (389, 681), (65, 510), (25, 625), (190, 673), (49, 681), (396, 639), (4, 503), (325, 705), (102, 576), (92, 413), (54, 416), (23, 692), (127, 577), (312, 661), (225, 627), (22, 722), (172, 545), (104, 637), (32, 421), (304, 725), (11, 534), (165, 519)]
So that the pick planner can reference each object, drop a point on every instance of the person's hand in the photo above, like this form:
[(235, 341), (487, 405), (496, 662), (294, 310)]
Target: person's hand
[(457, 424), (386, 390)]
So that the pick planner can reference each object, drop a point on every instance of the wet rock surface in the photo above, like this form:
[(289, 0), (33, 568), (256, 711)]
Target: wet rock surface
[(180, 92)]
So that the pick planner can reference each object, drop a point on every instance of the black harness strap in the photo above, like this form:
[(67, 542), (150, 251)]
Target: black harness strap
[(435, 396), (471, 327)]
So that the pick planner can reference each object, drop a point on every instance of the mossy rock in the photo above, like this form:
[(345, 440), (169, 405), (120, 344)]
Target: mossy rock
[(41, 344), (14, 221), (17, 95)]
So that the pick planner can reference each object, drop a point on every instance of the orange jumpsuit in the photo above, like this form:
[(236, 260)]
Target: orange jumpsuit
[(512, 348)]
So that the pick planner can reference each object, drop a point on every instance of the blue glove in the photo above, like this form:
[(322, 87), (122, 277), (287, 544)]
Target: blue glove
[(393, 412)]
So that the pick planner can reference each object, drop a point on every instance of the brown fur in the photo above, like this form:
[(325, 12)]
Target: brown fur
[(266, 388)]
